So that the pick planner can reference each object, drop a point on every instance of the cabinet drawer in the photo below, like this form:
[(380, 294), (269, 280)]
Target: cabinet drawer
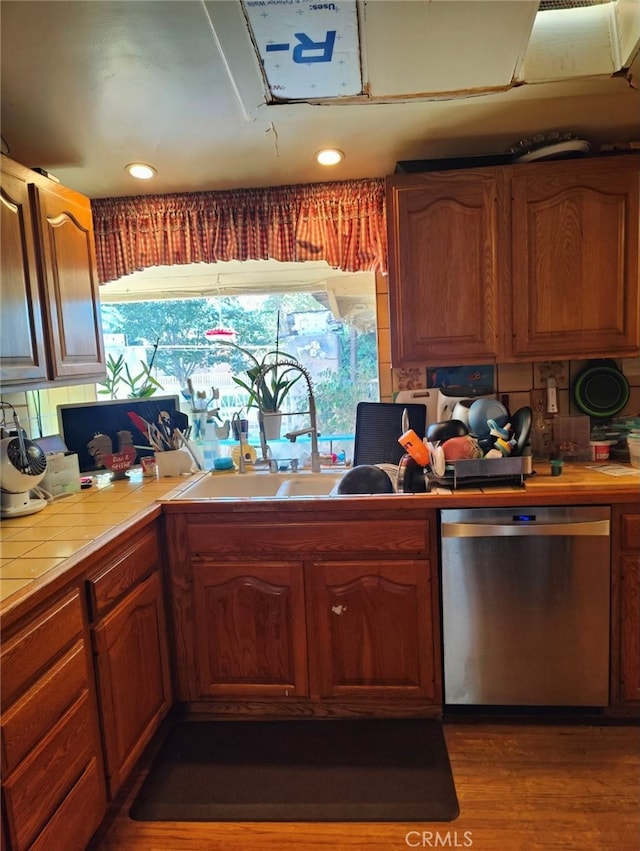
[(36, 789), (631, 532), (33, 649), (79, 815), (391, 536), (112, 582), (35, 713)]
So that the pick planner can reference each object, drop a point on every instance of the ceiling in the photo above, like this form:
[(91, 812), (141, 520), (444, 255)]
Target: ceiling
[(88, 87)]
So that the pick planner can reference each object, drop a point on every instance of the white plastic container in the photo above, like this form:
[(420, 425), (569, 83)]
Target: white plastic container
[(173, 462), (633, 442), (62, 474)]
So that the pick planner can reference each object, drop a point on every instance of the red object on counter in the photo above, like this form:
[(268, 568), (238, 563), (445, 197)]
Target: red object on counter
[(119, 461)]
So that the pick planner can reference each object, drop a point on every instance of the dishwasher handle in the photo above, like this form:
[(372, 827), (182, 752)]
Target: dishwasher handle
[(494, 530)]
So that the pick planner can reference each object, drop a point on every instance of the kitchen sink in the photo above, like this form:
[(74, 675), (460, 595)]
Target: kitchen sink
[(310, 484), (263, 485)]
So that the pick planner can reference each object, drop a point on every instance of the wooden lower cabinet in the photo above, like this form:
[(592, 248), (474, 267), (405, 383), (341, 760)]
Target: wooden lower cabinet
[(311, 614), (51, 753), (85, 683), (250, 628), (625, 639), (131, 653), (371, 629)]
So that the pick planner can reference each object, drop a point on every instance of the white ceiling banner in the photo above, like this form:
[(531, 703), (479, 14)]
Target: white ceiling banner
[(307, 50)]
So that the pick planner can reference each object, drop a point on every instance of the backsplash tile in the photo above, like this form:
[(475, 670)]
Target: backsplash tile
[(413, 378), (525, 383), (514, 377), (479, 375), (517, 400), (544, 370), (37, 409)]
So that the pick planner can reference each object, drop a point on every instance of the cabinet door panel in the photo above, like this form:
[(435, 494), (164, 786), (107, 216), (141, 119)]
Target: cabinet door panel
[(630, 629), (133, 677), (631, 533), (69, 269), (22, 352), (374, 630), (250, 629), (444, 266), (575, 258), (625, 610)]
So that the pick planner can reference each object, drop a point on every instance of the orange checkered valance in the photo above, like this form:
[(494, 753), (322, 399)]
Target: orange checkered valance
[(343, 223)]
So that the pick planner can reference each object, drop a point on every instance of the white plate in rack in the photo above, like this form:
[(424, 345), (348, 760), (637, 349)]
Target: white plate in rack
[(561, 149), (438, 462)]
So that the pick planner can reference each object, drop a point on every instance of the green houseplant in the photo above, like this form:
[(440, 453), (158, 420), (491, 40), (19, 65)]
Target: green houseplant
[(267, 387), (118, 372)]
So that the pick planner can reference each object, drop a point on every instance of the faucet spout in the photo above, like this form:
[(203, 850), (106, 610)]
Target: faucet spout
[(291, 435), (313, 419), (242, 464)]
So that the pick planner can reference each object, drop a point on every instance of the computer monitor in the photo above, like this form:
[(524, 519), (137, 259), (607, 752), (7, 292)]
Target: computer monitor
[(79, 423)]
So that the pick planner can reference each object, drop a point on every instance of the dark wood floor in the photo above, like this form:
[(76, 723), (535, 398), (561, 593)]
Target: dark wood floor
[(521, 787)]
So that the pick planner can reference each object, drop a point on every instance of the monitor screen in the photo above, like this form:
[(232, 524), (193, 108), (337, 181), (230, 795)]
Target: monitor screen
[(80, 423)]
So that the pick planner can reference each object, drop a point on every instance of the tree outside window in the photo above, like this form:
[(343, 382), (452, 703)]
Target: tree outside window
[(341, 359)]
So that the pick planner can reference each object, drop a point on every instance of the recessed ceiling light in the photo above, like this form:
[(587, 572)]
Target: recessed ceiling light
[(329, 156), (141, 170)]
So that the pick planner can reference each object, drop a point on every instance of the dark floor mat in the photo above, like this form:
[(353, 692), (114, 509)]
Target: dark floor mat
[(316, 770)]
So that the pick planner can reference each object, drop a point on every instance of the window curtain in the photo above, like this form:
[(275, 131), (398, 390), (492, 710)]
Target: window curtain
[(342, 223)]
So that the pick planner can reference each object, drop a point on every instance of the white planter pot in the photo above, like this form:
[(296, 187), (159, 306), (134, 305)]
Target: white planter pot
[(272, 425)]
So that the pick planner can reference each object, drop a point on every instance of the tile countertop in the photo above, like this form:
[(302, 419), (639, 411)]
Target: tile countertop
[(38, 547), (73, 526)]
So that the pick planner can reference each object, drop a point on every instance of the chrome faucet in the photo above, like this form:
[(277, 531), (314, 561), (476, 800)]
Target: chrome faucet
[(313, 420), (237, 418)]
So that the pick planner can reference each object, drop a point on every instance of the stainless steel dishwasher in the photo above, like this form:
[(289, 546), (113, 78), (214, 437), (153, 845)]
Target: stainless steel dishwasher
[(525, 606)]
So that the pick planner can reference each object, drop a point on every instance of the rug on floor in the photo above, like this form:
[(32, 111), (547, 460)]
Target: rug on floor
[(302, 770)]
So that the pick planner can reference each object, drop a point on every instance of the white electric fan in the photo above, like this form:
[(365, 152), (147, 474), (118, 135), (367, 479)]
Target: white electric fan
[(23, 465)]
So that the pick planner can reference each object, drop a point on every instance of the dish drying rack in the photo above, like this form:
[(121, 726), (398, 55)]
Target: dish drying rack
[(483, 472)]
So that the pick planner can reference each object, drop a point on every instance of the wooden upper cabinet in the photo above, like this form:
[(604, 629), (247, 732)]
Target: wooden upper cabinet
[(73, 322), (22, 351), (575, 264), (523, 262), (51, 328), (444, 265)]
